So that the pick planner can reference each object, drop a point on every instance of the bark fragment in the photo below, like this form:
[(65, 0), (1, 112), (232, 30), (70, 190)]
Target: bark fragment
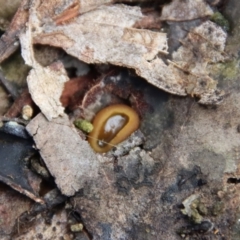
[(69, 159)]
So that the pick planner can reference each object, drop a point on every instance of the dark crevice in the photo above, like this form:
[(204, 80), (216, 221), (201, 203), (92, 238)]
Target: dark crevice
[(77, 216), (233, 180)]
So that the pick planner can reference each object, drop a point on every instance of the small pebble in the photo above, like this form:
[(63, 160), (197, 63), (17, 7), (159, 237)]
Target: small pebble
[(27, 112), (78, 227)]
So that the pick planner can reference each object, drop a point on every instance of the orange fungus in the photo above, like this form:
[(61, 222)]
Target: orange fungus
[(112, 125)]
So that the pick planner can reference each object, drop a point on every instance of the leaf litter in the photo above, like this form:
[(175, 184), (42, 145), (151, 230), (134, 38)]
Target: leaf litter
[(104, 33), (107, 35)]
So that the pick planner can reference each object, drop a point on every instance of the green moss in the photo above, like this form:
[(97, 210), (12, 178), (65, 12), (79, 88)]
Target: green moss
[(228, 70), (83, 125), (220, 20)]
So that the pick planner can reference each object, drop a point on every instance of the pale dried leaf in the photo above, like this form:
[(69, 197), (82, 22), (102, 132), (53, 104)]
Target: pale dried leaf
[(45, 83), (179, 10), (45, 86), (107, 35), (69, 159), (203, 45)]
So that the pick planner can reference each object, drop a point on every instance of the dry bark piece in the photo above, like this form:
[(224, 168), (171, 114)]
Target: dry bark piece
[(179, 10), (69, 159)]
